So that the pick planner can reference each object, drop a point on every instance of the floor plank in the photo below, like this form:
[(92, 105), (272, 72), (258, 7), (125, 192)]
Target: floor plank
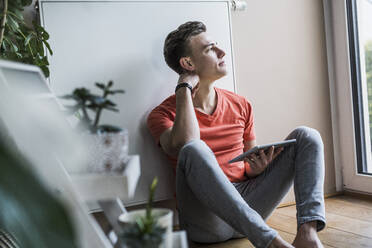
[(348, 224), (339, 207), (283, 222), (329, 236), (343, 223), (355, 201)]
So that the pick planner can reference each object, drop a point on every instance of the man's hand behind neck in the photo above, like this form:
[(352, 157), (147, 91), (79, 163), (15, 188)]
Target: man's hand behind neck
[(192, 79)]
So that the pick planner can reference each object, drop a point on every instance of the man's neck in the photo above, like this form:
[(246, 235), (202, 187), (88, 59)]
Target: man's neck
[(205, 98)]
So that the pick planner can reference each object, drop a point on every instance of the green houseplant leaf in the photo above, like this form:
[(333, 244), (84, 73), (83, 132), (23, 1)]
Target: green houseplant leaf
[(145, 231), (85, 101)]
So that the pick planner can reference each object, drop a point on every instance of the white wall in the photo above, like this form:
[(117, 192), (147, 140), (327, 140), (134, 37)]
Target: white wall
[(281, 68)]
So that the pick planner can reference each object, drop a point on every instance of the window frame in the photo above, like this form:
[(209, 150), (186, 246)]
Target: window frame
[(356, 87)]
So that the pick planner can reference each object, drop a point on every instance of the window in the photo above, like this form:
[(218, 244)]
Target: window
[(359, 14)]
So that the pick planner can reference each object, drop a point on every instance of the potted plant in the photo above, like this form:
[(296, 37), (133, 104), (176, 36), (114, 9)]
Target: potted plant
[(147, 228), (107, 144), (20, 41)]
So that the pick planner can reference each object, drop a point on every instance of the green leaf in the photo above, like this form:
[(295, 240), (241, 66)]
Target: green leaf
[(39, 48), (154, 184), (82, 93), (93, 107), (113, 92), (37, 27), (109, 129), (6, 44), (112, 109), (48, 47), (45, 35), (45, 60), (28, 38), (45, 70), (140, 223), (100, 85), (74, 97), (41, 31), (109, 103), (12, 23), (13, 47), (19, 14), (110, 83)]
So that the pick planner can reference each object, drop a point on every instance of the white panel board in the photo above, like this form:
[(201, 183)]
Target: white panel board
[(123, 41)]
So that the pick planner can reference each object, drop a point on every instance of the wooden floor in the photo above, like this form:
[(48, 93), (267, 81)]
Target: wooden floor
[(349, 224)]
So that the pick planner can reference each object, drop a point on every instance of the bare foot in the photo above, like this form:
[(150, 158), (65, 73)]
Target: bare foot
[(278, 242), (307, 242), (307, 237)]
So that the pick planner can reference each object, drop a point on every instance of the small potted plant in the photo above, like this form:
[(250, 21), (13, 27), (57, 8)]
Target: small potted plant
[(107, 144), (147, 228)]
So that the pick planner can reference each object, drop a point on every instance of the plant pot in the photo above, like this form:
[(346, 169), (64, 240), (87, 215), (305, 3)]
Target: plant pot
[(107, 152), (163, 216)]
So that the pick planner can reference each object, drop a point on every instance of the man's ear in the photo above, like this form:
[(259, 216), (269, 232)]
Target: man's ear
[(187, 64)]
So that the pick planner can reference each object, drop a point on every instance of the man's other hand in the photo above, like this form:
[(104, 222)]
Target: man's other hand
[(258, 163), (192, 79)]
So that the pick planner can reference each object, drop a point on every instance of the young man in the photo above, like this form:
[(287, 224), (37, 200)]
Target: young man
[(202, 127)]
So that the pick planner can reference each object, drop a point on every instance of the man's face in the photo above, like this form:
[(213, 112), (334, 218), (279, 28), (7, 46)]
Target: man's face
[(207, 57)]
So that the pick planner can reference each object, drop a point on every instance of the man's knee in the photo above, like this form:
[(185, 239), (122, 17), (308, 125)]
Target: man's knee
[(310, 144), (193, 152), (196, 154), (307, 134), (193, 147)]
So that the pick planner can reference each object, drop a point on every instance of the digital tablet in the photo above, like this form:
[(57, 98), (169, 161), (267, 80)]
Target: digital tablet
[(256, 149)]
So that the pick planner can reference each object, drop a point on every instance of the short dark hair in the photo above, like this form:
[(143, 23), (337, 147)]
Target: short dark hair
[(176, 44)]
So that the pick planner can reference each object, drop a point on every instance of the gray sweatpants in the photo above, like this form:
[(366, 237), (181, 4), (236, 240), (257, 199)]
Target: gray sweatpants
[(212, 209)]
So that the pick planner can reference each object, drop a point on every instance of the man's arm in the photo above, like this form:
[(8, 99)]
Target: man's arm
[(185, 127), (249, 145)]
